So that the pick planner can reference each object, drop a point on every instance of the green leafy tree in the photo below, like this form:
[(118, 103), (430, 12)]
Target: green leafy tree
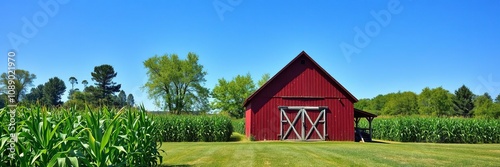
[(82, 98), (424, 101), (463, 101), (36, 95), (229, 96), (73, 81), (378, 103), (264, 79), (91, 94), (78, 100), (103, 76), (484, 107), (363, 104), (487, 95), (497, 100), (437, 102), (122, 98), (177, 85), (53, 90), (404, 103), (130, 100), (23, 80), (71, 91), (85, 83), (3, 100)]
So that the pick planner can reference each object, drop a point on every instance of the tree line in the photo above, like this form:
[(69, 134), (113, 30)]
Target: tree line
[(177, 86), (50, 93), (433, 102)]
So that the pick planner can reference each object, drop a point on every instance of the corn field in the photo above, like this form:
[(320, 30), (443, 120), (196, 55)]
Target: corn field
[(239, 126), (436, 130), (190, 128), (127, 137)]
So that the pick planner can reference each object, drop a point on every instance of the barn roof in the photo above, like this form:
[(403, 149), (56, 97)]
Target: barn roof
[(362, 114), (302, 54)]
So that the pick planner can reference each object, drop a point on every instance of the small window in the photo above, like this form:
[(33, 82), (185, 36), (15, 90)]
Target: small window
[(302, 62)]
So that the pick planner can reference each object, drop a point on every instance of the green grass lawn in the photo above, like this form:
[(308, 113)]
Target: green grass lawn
[(277, 153)]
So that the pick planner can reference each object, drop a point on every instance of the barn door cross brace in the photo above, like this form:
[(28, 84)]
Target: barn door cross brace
[(292, 124), (302, 114), (313, 127)]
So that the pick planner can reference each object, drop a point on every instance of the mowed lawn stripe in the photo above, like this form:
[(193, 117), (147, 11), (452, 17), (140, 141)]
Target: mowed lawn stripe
[(342, 154), (276, 153)]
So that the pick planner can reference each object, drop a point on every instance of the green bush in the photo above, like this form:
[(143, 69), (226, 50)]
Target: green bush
[(62, 137), (436, 130), (190, 128), (239, 126)]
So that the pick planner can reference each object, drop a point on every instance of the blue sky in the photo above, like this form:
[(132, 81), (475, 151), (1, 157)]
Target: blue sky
[(423, 43)]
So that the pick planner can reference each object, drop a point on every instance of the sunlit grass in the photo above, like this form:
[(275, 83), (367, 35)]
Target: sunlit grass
[(277, 153)]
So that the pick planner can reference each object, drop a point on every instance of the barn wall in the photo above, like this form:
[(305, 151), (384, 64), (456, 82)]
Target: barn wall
[(302, 80), (340, 118), (248, 121)]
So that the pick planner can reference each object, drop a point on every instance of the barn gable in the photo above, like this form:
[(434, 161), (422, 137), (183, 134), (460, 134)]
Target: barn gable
[(302, 102), (302, 69)]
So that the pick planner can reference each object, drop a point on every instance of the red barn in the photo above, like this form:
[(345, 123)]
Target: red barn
[(301, 102)]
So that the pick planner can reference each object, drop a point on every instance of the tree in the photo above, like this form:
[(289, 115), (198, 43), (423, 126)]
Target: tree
[(3, 100), (78, 100), (484, 107), (487, 95), (404, 103), (73, 81), (497, 100), (103, 76), (229, 96), (177, 85), (437, 102), (90, 95), (85, 82), (53, 90), (264, 79), (130, 100), (122, 98), (23, 80), (378, 103), (36, 95), (71, 92), (362, 104), (463, 101)]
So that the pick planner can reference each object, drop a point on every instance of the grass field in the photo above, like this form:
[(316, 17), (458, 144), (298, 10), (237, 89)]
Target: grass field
[(276, 153)]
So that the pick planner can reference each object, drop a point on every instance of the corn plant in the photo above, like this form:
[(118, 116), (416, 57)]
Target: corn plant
[(437, 130), (239, 125), (194, 128), (60, 137)]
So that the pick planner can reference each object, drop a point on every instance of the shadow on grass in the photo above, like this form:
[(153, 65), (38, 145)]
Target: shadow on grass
[(236, 137), (378, 142)]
